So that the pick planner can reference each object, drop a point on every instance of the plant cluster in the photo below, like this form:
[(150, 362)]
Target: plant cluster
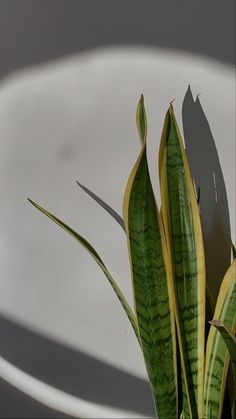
[(187, 362)]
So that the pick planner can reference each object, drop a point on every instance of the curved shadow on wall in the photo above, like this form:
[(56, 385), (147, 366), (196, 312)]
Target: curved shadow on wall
[(33, 32), (15, 404), (73, 371), (207, 174)]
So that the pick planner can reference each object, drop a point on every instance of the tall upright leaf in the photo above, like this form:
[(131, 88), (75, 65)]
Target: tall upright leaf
[(217, 357), (183, 230), (151, 288)]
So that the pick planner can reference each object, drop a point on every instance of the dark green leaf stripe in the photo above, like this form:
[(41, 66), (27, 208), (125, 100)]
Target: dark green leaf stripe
[(187, 253), (99, 261), (217, 358), (151, 293)]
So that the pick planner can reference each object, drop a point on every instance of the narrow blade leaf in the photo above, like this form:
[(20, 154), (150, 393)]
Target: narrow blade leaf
[(184, 235), (141, 121), (150, 286), (99, 261), (217, 357)]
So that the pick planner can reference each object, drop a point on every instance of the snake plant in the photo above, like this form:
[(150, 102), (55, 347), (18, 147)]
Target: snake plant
[(187, 367)]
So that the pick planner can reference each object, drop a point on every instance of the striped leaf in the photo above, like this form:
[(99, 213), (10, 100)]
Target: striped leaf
[(184, 237), (217, 357), (151, 288), (230, 341), (99, 261)]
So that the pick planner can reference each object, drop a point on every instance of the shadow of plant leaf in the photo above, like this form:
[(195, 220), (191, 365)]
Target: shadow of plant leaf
[(207, 173)]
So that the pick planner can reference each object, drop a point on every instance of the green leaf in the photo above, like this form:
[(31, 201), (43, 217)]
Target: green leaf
[(99, 261), (230, 341), (141, 121), (152, 293), (217, 357), (184, 237)]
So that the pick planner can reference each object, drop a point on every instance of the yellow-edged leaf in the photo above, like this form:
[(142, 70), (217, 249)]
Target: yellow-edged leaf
[(217, 357), (184, 237), (150, 279), (98, 260)]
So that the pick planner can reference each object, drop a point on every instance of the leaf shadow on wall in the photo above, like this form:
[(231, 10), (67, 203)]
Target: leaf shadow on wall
[(207, 174)]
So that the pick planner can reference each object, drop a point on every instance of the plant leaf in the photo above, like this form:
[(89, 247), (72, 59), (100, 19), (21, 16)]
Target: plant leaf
[(99, 261), (230, 341), (217, 358), (184, 236), (151, 289), (141, 121), (104, 205)]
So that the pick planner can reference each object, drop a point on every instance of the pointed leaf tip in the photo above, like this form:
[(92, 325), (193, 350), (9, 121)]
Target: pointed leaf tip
[(98, 260), (216, 323), (34, 204), (141, 120), (221, 325), (151, 285), (183, 231), (171, 107)]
